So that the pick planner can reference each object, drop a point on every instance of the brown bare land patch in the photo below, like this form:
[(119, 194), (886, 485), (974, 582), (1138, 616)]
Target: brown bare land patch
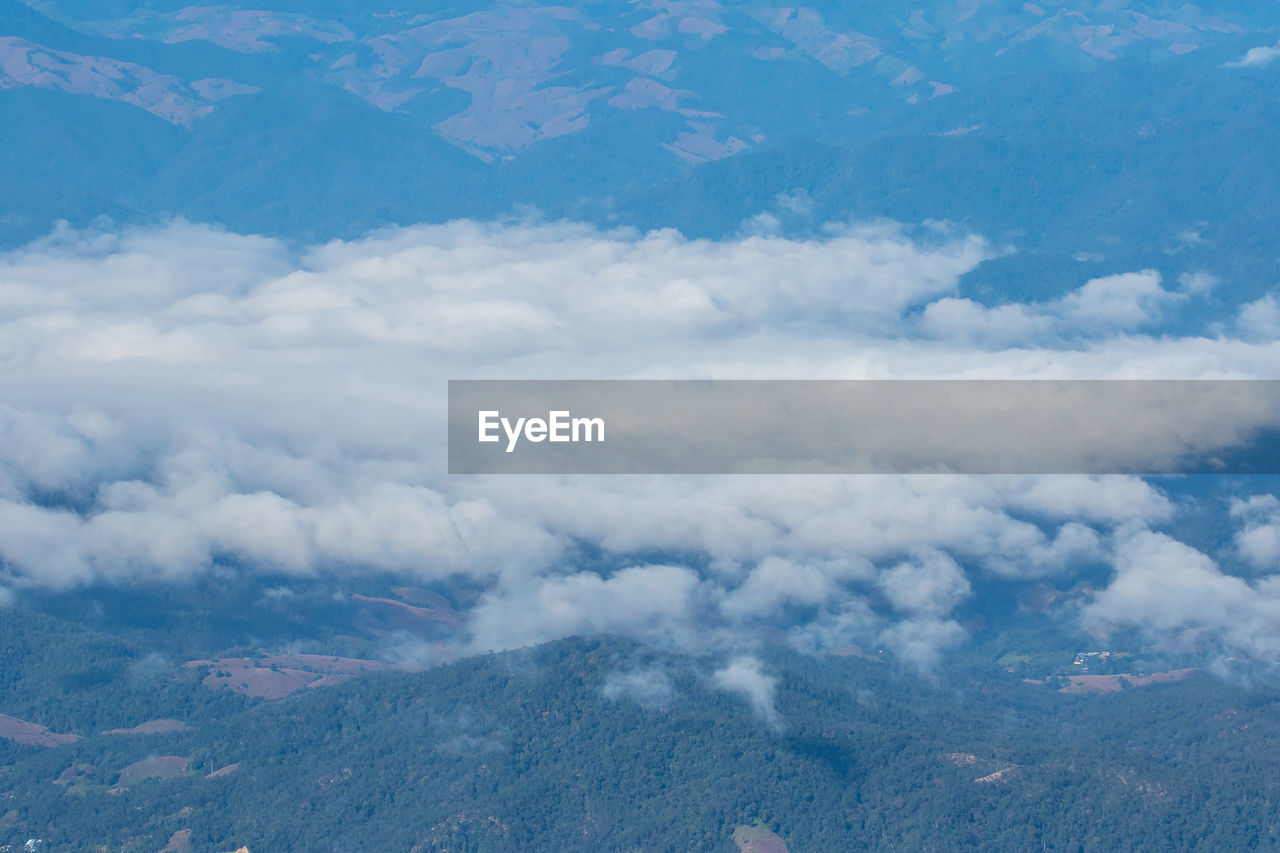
[(179, 842), (75, 774), (397, 616), (758, 839), (323, 663), (854, 652), (157, 767), (1115, 683), (276, 676), (422, 597), (31, 734), (150, 727), (224, 771)]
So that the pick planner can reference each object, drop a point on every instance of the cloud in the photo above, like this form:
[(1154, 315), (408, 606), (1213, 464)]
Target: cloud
[(646, 602), (1256, 57), (408, 652), (745, 677), (848, 622), (1197, 283), (140, 531), (832, 526), (182, 400), (931, 585), (151, 667), (649, 688), (969, 321), (1258, 543), (1178, 595), (1108, 500), (1124, 301), (921, 642), (1260, 319), (1105, 305), (775, 582)]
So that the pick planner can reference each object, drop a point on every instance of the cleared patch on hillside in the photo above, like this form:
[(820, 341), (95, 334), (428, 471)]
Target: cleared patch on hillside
[(388, 614), (276, 676), (179, 842), (156, 767), (31, 734), (758, 839), (1001, 775), (150, 727), (76, 774), (1116, 683)]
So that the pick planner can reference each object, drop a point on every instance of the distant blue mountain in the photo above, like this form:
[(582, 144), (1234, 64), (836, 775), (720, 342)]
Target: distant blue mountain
[(1093, 136)]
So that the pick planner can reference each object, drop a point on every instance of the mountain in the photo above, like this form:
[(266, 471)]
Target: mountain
[(1075, 131), (604, 744)]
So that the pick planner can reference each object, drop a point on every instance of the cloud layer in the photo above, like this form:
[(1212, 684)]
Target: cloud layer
[(181, 400)]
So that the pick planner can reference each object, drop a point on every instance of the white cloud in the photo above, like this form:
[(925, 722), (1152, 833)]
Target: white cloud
[(1197, 283), (649, 688), (931, 585), (1124, 301), (745, 676), (966, 320), (180, 399), (1260, 319), (1256, 57), (1101, 306), (1258, 542), (1173, 592), (921, 642), (1108, 500), (830, 526), (851, 622), (775, 582), (646, 602)]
